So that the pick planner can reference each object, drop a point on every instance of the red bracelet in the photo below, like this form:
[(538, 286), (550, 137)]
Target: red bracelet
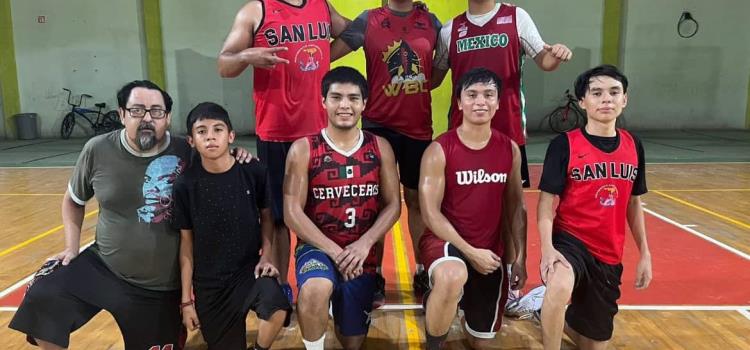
[(188, 303)]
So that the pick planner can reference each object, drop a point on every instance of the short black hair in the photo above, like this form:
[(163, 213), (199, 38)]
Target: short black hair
[(583, 80), (474, 76), (124, 94), (207, 110), (344, 75)]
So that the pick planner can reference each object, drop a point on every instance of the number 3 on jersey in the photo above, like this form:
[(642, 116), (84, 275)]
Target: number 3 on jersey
[(351, 217)]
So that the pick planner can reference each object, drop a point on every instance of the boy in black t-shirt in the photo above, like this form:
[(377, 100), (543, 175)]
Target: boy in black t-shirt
[(598, 172), (221, 210)]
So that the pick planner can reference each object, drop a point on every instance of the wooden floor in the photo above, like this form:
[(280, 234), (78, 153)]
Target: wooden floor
[(712, 196)]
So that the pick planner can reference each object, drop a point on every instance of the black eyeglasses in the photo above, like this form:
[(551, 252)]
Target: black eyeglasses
[(140, 112)]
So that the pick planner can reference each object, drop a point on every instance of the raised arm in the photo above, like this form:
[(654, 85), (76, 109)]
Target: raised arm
[(637, 225), (352, 258), (431, 191), (295, 197), (238, 52), (515, 211)]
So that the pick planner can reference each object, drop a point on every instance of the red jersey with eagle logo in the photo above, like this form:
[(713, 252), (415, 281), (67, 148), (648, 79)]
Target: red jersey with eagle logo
[(287, 97), (593, 206), (494, 46), (343, 189), (399, 52)]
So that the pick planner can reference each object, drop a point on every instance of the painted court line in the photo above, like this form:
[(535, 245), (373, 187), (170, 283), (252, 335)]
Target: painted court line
[(701, 235), (403, 273), (39, 236), (738, 308), (744, 313), (707, 211)]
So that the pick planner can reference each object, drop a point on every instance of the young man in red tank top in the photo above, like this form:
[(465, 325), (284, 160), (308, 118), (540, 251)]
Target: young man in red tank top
[(399, 42), (470, 183), (599, 174), (287, 44), (497, 36), (341, 196)]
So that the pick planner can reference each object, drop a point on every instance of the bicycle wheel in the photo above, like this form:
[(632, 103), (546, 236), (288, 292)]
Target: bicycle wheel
[(66, 128), (563, 119), (111, 121)]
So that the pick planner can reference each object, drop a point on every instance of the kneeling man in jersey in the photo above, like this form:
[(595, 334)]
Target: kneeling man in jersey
[(470, 183), (341, 195)]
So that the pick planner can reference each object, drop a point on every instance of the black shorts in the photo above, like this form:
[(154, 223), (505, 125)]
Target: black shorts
[(61, 302), (524, 167), (597, 287), (273, 155), (222, 309), (484, 296), (408, 152)]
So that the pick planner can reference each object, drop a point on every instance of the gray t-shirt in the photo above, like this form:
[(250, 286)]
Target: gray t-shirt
[(134, 191)]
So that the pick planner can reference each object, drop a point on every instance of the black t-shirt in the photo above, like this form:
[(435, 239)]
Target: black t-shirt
[(223, 211), (555, 170)]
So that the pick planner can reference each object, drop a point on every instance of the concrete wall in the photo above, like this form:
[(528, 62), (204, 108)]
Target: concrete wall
[(677, 83), (87, 46)]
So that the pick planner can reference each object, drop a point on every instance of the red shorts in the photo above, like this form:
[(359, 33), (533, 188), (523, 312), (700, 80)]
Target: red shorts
[(484, 296)]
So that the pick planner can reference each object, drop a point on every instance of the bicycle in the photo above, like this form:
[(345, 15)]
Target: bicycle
[(566, 117), (104, 122)]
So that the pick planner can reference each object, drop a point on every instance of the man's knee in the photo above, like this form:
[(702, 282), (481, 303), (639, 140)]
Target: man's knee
[(315, 292), (560, 284), (450, 277)]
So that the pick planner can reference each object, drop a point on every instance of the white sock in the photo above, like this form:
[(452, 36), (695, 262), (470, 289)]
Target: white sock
[(315, 345), (420, 268)]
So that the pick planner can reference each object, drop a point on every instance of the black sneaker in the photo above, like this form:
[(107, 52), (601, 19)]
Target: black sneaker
[(378, 298), (421, 283)]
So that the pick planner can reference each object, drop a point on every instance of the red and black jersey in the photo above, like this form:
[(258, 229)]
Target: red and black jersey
[(399, 52), (474, 188), (287, 97), (593, 206), (494, 46), (343, 189)]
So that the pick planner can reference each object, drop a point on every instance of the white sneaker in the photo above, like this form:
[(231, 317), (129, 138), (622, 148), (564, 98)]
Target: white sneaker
[(524, 307)]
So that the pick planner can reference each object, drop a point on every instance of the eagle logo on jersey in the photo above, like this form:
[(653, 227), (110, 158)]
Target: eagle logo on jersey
[(405, 69), (607, 195), (308, 58)]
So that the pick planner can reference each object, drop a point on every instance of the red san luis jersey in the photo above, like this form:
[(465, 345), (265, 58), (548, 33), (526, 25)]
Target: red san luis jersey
[(593, 206), (287, 97)]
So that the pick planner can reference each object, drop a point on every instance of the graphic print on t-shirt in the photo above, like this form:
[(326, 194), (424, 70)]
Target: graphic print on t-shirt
[(405, 68), (157, 189)]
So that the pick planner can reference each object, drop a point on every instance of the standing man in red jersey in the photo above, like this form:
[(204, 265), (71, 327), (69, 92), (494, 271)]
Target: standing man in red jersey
[(399, 41), (288, 44), (470, 183), (496, 36)]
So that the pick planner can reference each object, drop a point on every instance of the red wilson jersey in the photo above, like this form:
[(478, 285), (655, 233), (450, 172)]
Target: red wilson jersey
[(494, 46), (474, 188), (343, 189), (593, 206), (399, 54), (287, 98)]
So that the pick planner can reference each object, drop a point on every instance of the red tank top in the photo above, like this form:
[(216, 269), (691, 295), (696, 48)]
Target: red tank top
[(474, 187), (287, 98), (494, 46), (399, 65), (343, 189), (593, 207)]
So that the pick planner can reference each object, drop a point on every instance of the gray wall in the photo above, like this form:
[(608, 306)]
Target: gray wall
[(677, 83), (194, 31), (578, 25), (87, 46)]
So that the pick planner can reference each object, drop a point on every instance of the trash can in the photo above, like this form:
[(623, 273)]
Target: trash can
[(26, 126)]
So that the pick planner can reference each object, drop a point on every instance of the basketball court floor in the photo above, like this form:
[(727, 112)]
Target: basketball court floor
[(698, 223)]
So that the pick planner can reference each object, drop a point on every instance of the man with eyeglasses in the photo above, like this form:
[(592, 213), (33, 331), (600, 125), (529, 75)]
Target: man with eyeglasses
[(132, 269)]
